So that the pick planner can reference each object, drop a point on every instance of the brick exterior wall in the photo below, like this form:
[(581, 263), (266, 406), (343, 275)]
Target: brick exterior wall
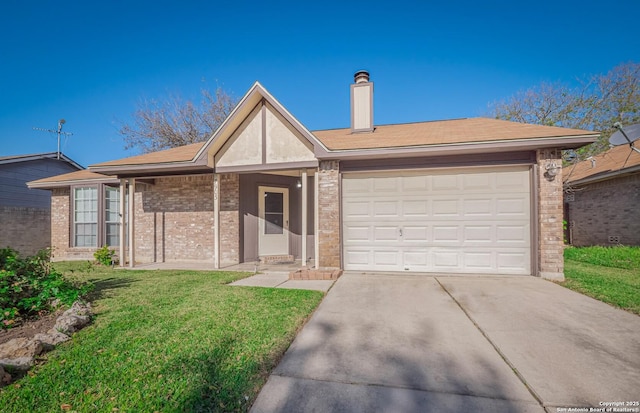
[(26, 230), (328, 236), (550, 215), (61, 227), (174, 219), (229, 219), (606, 209)]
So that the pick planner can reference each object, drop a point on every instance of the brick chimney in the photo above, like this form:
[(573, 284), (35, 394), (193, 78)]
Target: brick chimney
[(361, 103)]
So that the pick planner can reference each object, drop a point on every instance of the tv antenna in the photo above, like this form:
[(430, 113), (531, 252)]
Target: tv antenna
[(624, 137), (58, 132)]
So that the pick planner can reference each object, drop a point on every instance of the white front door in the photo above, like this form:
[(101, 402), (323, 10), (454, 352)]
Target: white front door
[(273, 222)]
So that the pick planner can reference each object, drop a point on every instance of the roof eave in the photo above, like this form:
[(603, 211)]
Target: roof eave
[(171, 167), (570, 142), (62, 184)]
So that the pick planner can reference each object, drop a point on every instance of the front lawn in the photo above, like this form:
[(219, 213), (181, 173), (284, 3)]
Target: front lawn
[(165, 341), (609, 274)]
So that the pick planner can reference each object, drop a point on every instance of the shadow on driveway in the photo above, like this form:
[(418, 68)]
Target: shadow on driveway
[(392, 343)]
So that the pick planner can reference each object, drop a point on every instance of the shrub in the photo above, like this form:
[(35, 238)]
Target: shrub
[(104, 255), (29, 286)]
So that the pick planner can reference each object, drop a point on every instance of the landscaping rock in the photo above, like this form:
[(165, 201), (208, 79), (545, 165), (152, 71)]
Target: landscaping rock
[(5, 378), (74, 319), (21, 364), (70, 323), (79, 308), (18, 355), (51, 339), (20, 347)]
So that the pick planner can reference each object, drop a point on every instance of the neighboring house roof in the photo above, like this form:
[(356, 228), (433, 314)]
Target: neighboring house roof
[(36, 156), (72, 178), (614, 162)]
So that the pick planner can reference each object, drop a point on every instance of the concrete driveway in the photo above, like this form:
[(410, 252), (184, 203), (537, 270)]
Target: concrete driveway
[(399, 343)]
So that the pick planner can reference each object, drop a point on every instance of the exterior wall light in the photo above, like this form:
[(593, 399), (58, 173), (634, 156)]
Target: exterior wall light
[(551, 170)]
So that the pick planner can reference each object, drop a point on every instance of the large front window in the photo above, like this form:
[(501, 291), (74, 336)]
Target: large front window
[(96, 216), (86, 217)]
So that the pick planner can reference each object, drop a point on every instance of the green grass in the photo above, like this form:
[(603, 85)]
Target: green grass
[(609, 274), (614, 257), (166, 341)]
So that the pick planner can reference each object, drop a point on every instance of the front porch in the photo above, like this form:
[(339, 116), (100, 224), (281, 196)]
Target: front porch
[(252, 267)]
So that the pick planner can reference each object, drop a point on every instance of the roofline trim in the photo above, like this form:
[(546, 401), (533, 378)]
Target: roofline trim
[(258, 88), (58, 184), (120, 169), (46, 155), (511, 144)]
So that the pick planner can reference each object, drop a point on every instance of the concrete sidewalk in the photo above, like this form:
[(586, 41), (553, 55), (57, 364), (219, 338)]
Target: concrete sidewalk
[(275, 279), (450, 344)]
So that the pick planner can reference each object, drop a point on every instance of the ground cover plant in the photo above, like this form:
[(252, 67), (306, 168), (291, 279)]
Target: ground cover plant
[(165, 341), (609, 274), (30, 287)]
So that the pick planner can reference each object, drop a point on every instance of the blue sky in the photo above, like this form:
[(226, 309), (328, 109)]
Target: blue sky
[(91, 62)]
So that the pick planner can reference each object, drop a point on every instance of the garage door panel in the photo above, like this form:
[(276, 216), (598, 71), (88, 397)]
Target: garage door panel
[(516, 235), (415, 260), (445, 183), (386, 233), (357, 259), (512, 207), (385, 208), (357, 233), (481, 262), (387, 257), (479, 207), (415, 184), (386, 184), (479, 233), (445, 207), (467, 221), (416, 233), (516, 261), (514, 182), (478, 182), (446, 234), (415, 208), (444, 260), (354, 209), (357, 186)]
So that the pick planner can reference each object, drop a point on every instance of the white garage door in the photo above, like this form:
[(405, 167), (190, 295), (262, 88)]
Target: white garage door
[(474, 221)]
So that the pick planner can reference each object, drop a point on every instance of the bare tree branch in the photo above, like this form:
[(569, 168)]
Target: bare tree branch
[(596, 104), (158, 125)]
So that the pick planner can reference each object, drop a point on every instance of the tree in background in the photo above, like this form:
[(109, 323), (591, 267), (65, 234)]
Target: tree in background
[(173, 122), (599, 102)]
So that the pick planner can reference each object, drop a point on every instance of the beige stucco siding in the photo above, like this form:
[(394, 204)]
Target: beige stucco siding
[(245, 145), (282, 143)]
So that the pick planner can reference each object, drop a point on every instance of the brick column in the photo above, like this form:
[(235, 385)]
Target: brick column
[(229, 219), (328, 236), (60, 225), (550, 215)]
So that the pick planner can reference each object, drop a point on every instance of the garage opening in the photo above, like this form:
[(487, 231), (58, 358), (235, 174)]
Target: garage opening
[(466, 220)]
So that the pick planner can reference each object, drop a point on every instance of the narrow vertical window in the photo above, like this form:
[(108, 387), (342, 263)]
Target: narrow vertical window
[(85, 217), (111, 216)]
